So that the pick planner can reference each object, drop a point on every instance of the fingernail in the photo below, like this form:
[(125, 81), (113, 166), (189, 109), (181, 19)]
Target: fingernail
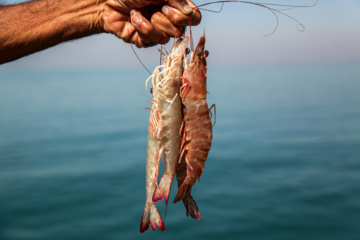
[(188, 9), (135, 19), (165, 10)]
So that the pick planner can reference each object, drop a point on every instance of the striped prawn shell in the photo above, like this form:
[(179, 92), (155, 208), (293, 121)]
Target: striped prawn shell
[(197, 130)]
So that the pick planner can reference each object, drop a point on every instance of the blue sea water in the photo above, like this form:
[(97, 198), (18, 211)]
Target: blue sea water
[(284, 162)]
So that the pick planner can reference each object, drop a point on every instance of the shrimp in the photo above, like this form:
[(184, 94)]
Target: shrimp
[(168, 93), (197, 130), (150, 214)]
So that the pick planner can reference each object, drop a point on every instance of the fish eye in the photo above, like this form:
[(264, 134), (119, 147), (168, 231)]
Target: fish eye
[(151, 90), (198, 52), (206, 52), (187, 50)]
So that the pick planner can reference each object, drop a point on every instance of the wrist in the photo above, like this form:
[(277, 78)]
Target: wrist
[(82, 18)]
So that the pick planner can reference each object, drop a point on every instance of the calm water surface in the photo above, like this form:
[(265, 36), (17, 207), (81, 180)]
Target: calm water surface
[(284, 163)]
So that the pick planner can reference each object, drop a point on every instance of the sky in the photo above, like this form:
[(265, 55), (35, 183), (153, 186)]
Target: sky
[(235, 36)]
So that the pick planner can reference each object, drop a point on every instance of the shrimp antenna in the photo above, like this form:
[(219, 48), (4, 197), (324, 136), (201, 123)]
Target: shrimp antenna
[(271, 8), (191, 38), (213, 11), (160, 50), (139, 59), (128, 27), (262, 4)]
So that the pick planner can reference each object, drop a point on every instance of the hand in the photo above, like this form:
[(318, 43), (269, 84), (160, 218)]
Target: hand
[(147, 22)]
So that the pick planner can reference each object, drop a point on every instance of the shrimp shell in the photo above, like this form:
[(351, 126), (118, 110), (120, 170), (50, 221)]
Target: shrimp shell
[(151, 216), (197, 135), (168, 84)]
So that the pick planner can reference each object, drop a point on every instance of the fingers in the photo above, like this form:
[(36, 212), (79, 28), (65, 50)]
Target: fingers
[(179, 11), (117, 23), (163, 23), (195, 15), (181, 5), (148, 26), (146, 33)]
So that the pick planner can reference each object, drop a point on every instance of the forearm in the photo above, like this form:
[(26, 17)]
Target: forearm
[(30, 27)]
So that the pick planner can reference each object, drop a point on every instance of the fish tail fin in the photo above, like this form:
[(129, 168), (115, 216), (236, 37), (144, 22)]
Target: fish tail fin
[(191, 207), (152, 218), (184, 188), (163, 188)]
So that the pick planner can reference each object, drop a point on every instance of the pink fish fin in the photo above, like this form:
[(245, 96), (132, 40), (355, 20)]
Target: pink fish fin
[(185, 188), (191, 207), (152, 218), (163, 188)]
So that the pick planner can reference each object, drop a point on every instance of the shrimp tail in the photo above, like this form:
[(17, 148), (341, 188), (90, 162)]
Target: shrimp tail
[(191, 208), (185, 188), (152, 218), (163, 188)]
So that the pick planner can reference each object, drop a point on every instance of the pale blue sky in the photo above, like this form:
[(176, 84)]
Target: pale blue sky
[(235, 36)]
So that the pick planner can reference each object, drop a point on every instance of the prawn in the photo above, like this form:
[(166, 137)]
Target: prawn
[(197, 127), (168, 93), (150, 214)]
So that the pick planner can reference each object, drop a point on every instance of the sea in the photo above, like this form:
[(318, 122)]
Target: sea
[(284, 162)]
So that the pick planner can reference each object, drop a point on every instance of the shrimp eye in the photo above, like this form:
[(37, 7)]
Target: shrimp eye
[(151, 90), (206, 52), (187, 50), (198, 52)]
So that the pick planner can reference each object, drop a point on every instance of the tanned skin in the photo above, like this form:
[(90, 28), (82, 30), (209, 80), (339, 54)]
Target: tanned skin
[(33, 26)]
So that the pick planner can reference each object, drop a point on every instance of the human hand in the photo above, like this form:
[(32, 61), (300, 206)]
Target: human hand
[(147, 22)]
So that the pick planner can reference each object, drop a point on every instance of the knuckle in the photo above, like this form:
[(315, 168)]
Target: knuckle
[(147, 43), (156, 16), (146, 30), (177, 19)]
